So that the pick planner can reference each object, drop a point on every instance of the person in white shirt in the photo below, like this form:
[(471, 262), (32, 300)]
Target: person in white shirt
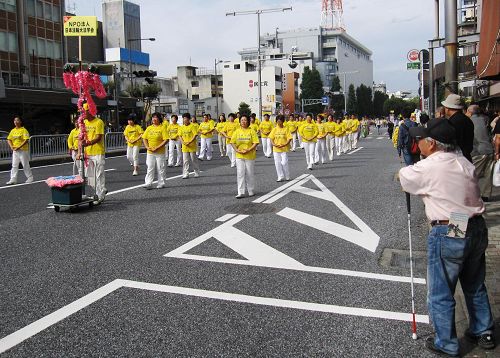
[(446, 183)]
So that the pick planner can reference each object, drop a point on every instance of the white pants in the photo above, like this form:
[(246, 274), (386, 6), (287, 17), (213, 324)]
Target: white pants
[(222, 144), (133, 155), (189, 157), (77, 164), (245, 176), (281, 164), (345, 143), (338, 144), (231, 154), (330, 145), (309, 148), (354, 140), (96, 167), (267, 147), (155, 161), (206, 147), (23, 157), (294, 140), (301, 143), (174, 145), (320, 151)]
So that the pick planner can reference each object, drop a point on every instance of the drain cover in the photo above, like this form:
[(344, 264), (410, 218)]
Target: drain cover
[(250, 208), (401, 259)]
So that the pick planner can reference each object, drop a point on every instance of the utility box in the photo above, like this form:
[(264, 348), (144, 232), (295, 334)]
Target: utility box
[(67, 195)]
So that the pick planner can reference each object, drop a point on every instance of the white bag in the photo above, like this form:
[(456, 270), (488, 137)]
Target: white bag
[(496, 173)]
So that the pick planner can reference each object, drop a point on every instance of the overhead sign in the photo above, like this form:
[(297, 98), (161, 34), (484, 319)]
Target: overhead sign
[(413, 55), (80, 25), (413, 65), (325, 100)]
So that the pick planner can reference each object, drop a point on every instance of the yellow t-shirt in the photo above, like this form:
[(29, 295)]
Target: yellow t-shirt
[(343, 129), (322, 132), (205, 128), (220, 127), (165, 124), (73, 139), (292, 126), (196, 125), (254, 126), (308, 132), (330, 127), (187, 133), (173, 131), (155, 135), (132, 133), (94, 128), (280, 136), (244, 139), (230, 128), (354, 125), (17, 136), (265, 128), (347, 123)]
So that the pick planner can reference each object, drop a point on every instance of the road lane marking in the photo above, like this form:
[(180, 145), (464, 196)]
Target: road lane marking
[(279, 189), (21, 184), (49, 320), (354, 151), (225, 218), (380, 137)]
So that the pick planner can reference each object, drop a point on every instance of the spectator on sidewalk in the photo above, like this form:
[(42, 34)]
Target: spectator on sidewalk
[(482, 151), (404, 140), (18, 141), (446, 183), (439, 112), (464, 128)]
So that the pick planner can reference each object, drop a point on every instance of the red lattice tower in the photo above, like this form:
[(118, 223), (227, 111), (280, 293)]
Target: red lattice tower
[(332, 14)]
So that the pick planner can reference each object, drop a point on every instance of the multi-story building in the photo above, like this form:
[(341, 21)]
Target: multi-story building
[(331, 52), (380, 87)]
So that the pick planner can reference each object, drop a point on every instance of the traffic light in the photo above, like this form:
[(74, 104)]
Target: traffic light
[(97, 68), (148, 75), (424, 59)]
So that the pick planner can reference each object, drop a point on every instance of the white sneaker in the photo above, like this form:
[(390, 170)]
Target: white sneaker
[(29, 180), (147, 186), (279, 180), (239, 196), (185, 177), (11, 182), (135, 173), (196, 174), (251, 194), (161, 186)]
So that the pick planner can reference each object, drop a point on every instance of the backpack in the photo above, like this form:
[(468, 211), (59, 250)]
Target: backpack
[(413, 145)]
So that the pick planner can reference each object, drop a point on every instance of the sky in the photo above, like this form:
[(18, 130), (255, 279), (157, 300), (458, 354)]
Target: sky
[(197, 32)]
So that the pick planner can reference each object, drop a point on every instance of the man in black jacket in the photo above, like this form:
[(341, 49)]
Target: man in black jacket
[(464, 128)]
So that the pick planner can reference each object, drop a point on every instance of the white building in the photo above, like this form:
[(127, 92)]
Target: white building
[(241, 85)]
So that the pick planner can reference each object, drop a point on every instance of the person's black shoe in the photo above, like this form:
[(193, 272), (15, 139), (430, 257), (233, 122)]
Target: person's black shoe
[(429, 345), (485, 341), (485, 199)]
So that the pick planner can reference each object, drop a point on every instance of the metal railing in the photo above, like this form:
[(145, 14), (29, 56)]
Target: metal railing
[(114, 141), (48, 145), (5, 151)]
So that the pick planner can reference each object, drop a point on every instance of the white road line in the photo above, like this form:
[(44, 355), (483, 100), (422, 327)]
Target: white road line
[(139, 186), (226, 217), (279, 189), (45, 322), (380, 137), (354, 151)]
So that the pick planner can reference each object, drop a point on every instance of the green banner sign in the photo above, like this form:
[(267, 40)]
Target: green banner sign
[(413, 65)]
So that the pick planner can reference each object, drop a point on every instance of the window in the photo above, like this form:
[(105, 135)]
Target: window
[(56, 16), (195, 84), (47, 11), (8, 41), (39, 9), (57, 50), (226, 66), (31, 8), (8, 5), (50, 49), (195, 97), (41, 48), (237, 67)]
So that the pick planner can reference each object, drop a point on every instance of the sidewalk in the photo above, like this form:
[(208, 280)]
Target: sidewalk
[(492, 217)]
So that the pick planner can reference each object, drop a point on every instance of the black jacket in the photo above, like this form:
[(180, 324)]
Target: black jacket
[(464, 129)]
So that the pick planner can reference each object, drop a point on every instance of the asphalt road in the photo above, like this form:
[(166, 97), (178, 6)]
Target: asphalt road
[(301, 274)]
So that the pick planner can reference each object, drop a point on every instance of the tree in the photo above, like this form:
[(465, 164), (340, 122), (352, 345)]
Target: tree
[(147, 93), (244, 109), (312, 88), (378, 103), (337, 100), (351, 100), (398, 104), (364, 104)]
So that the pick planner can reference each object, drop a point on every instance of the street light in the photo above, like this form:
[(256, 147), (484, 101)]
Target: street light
[(130, 54), (259, 70), (345, 94), (217, 88)]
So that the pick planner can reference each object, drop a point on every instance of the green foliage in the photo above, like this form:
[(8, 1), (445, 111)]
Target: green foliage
[(244, 108), (378, 103), (312, 88), (398, 104), (148, 91), (351, 100), (337, 100), (364, 104)]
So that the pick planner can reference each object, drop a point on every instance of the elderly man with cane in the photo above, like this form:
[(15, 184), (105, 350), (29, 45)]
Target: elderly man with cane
[(457, 240)]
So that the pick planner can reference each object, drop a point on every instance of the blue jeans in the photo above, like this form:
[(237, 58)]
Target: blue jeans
[(407, 156), (449, 260)]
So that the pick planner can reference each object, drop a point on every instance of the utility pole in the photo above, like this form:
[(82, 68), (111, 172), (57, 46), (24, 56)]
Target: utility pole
[(344, 87), (450, 45), (259, 69), (217, 88)]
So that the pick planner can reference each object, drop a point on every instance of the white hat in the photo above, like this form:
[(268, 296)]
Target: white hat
[(452, 101)]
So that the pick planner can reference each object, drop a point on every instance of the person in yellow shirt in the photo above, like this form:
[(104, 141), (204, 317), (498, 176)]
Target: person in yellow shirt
[(320, 149), (330, 137), (339, 136), (229, 129), (253, 125), (220, 134), (347, 138), (206, 131), (133, 134), (174, 142), (196, 125), (73, 148), (94, 150), (256, 120), (280, 139), (309, 133), (265, 127), (300, 122), (292, 127), (155, 137), (188, 133), (18, 142), (354, 132), (244, 141)]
